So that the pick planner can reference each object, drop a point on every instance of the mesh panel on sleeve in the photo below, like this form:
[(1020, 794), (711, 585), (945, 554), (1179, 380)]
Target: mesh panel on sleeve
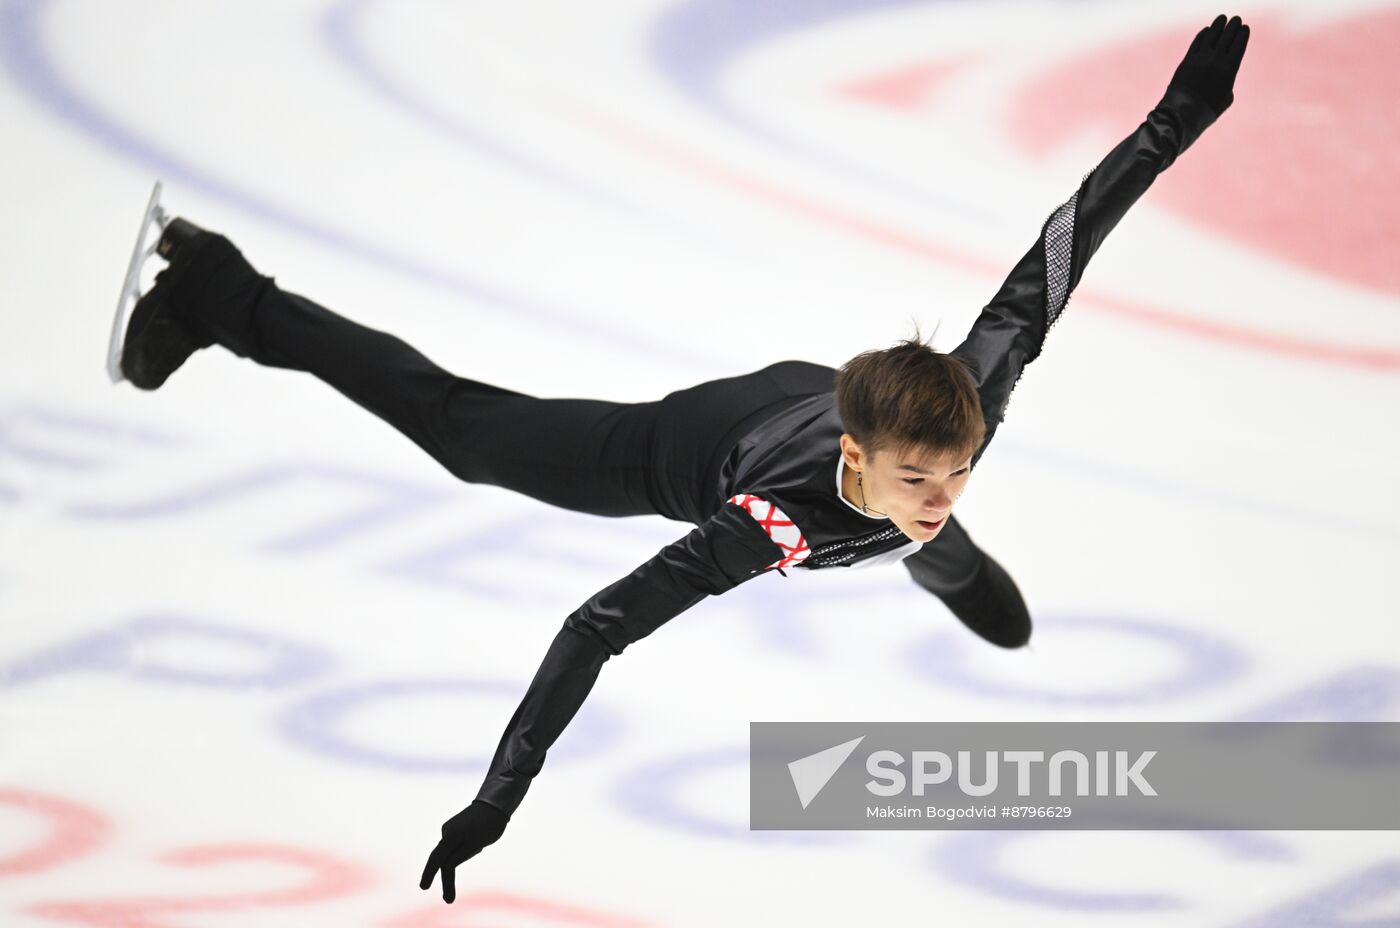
[(1059, 251), (1059, 259)]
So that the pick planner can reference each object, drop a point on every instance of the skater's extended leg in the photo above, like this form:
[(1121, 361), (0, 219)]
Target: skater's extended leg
[(576, 453)]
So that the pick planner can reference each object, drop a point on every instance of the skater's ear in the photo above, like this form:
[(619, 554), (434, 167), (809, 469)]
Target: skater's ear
[(851, 450)]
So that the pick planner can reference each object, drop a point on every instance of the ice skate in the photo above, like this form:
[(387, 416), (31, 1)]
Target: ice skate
[(149, 346)]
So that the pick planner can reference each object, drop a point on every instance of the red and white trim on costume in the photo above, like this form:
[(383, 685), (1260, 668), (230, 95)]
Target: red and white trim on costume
[(782, 530)]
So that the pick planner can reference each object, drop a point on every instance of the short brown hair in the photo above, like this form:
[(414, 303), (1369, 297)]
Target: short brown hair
[(910, 396)]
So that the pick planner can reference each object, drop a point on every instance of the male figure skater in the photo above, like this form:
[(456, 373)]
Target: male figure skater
[(792, 468)]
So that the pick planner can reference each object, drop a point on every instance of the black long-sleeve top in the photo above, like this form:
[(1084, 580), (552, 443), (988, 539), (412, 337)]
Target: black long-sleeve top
[(778, 501)]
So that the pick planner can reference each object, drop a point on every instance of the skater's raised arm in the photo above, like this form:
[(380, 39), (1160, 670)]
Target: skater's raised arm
[(1011, 329), (726, 550)]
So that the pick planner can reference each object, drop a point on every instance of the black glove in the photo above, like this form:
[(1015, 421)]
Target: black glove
[(463, 837), (1208, 70)]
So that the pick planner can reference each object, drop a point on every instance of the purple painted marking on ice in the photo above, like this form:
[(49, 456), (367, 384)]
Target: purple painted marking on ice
[(779, 610), (1207, 661), (1329, 907), (974, 859), (651, 794), (23, 57), (118, 650), (1346, 747), (311, 724), (181, 502), (1362, 693), (694, 42), (777, 616), (87, 425), (47, 419), (8, 494), (42, 457), (1228, 499), (531, 538), (340, 29), (391, 499)]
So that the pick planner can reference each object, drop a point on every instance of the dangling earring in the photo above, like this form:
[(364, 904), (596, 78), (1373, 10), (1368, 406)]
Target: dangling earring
[(860, 485)]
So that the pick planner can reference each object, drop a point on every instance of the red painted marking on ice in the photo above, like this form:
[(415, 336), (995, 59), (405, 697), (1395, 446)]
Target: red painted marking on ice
[(1380, 360), (906, 88), (461, 914), (722, 175), (1085, 297), (326, 878), (1305, 164), (74, 830)]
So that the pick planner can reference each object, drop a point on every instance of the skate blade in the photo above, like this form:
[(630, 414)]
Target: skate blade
[(131, 286)]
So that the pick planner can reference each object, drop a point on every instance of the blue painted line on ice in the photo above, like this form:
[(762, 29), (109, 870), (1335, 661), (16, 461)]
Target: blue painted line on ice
[(694, 43), (342, 28)]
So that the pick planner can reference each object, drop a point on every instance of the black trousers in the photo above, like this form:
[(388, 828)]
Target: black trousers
[(589, 455)]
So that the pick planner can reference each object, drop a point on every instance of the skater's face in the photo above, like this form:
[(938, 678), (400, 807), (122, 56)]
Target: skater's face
[(915, 488)]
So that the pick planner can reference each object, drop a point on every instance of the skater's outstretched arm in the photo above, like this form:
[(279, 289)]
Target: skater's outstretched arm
[(1011, 329), (723, 552)]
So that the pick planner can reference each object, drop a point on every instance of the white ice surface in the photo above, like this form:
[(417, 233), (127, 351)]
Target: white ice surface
[(528, 198)]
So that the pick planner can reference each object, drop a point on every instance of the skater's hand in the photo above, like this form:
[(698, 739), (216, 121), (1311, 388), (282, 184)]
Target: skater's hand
[(463, 837), (1209, 68)]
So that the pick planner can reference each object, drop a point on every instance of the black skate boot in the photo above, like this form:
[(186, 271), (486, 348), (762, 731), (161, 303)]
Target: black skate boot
[(157, 340)]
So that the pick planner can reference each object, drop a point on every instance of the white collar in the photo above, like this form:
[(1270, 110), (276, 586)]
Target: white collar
[(841, 469)]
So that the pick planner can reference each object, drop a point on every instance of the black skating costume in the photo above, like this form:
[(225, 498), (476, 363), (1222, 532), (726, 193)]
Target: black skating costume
[(753, 461)]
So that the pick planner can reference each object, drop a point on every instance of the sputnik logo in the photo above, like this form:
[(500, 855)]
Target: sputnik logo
[(811, 773)]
